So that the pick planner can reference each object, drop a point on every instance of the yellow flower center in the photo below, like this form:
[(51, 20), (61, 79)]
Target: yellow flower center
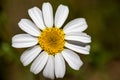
[(52, 40)]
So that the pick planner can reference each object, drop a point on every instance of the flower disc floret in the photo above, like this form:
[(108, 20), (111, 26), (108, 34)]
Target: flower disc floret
[(52, 40)]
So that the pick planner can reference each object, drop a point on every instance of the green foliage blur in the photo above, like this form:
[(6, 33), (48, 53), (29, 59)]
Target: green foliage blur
[(103, 18)]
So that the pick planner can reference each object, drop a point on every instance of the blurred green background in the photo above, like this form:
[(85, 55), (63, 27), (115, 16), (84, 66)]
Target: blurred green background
[(103, 18)]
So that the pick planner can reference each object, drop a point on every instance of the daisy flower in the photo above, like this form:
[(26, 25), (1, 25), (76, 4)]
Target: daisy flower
[(49, 44)]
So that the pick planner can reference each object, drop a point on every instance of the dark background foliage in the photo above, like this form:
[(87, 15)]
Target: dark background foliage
[(103, 18)]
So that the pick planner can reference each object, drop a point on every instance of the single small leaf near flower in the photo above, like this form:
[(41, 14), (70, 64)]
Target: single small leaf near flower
[(49, 44)]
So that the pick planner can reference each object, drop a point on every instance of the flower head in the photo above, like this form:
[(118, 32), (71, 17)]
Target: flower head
[(50, 43)]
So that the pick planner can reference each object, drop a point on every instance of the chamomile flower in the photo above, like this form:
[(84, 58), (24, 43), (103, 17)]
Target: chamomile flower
[(49, 44)]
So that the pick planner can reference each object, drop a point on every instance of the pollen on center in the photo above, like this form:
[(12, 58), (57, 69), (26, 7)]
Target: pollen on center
[(52, 40)]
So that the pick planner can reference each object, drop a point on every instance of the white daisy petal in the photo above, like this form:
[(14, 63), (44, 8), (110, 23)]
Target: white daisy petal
[(30, 54), (79, 49), (29, 27), (36, 15), (59, 66), (77, 33), (76, 25), (49, 68), (39, 63), (72, 59), (82, 37), (48, 14), (24, 40), (61, 15)]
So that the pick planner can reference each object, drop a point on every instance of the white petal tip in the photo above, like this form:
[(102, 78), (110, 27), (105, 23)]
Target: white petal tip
[(34, 72), (35, 7), (59, 76), (61, 5), (80, 65), (24, 64), (46, 3), (13, 45)]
